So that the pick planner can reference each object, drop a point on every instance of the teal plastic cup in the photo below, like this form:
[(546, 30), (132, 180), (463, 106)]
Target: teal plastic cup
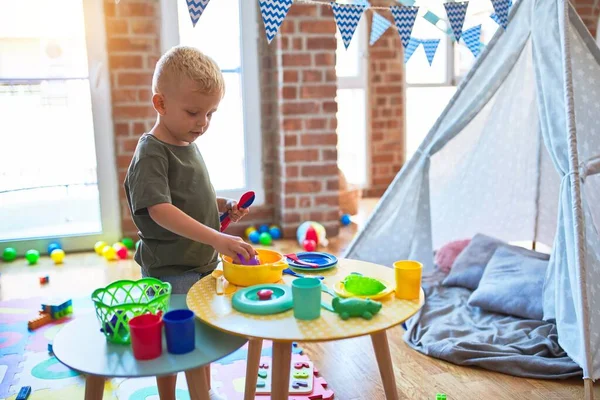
[(306, 294)]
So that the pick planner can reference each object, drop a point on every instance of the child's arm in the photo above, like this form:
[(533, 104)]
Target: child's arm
[(172, 218)]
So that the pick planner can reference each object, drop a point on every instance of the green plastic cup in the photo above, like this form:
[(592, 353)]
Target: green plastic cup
[(306, 293)]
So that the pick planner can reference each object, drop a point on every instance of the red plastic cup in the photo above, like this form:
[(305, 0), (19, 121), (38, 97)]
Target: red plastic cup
[(146, 336)]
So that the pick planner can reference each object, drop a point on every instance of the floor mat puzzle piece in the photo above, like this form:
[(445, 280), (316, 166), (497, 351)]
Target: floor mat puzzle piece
[(301, 377), (13, 338), (10, 365), (43, 372), (145, 389), (267, 351), (231, 380)]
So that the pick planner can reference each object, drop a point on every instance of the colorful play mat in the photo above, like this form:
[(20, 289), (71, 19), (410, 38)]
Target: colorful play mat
[(25, 361)]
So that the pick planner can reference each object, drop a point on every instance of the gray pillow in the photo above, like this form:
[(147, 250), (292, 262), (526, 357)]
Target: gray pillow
[(468, 267), (513, 284)]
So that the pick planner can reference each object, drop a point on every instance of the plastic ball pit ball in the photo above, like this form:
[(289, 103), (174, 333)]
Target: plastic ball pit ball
[(53, 246), (57, 255), (99, 246), (32, 256), (265, 239), (128, 242), (9, 254), (254, 237), (345, 220)]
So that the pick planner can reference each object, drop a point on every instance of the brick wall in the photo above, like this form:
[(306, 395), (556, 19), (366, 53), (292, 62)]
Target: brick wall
[(589, 11), (306, 174), (386, 106), (134, 47)]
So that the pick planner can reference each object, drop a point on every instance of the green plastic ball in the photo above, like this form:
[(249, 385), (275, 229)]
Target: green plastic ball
[(9, 254), (32, 256), (265, 239), (128, 242)]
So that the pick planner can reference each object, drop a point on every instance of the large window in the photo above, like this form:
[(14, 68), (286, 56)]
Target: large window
[(352, 122), (227, 31), (55, 125), (429, 88)]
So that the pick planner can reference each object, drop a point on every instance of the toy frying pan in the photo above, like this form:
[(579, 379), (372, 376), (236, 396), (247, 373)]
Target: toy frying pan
[(245, 201)]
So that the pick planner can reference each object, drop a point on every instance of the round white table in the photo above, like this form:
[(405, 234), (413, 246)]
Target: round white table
[(283, 329), (81, 346)]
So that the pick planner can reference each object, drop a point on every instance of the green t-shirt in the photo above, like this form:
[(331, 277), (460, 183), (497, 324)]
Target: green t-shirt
[(163, 173)]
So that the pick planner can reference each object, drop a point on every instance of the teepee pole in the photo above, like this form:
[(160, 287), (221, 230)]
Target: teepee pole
[(588, 388), (573, 176)]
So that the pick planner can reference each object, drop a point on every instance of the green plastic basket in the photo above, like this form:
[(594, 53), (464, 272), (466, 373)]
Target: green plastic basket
[(122, 300)]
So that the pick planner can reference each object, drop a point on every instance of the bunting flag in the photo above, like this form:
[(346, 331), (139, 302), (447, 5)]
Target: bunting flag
[(495, 17), (501, 9), (471, 37), (404, 18), (430, 46), (196, 8), (273, 13), (379, 25), (413, 44), (456, 15), (347, 17)]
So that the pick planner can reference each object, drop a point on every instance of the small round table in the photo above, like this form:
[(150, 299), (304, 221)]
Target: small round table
[(81, 346), (283, 329)]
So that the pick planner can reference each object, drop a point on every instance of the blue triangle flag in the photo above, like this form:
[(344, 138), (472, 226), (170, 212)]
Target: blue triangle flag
[(196, 8), (501, 10), (471, 37), (379, 25), (456, 15), (430, 46), (273, 13), (413, 44), (347, 17), (404, 18)]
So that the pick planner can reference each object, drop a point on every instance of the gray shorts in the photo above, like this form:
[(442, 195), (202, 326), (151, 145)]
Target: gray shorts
[(180, 284)]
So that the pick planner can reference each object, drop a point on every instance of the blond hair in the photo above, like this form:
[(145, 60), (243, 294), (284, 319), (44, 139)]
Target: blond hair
[(189, 62)]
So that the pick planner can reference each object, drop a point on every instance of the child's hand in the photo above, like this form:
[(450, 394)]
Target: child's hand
[(232, 246), (236, 213)]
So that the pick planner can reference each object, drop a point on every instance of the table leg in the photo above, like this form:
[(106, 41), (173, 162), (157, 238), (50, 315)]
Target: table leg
[(207, 372), (166, 387), (94, 387), (282, 358), (197, 385), (252, 364), (386, 368)]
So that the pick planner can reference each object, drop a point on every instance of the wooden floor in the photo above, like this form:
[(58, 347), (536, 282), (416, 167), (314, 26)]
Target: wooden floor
[(348, 366)]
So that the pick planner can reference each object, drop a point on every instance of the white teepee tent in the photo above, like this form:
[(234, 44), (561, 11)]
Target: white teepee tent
[(515, 155)]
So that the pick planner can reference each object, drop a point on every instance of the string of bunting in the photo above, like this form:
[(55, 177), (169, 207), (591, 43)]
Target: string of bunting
[(348, 15)]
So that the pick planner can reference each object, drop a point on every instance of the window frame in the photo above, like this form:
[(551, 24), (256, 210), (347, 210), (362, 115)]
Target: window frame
[(361, 81), (104, 143), (251, 101)]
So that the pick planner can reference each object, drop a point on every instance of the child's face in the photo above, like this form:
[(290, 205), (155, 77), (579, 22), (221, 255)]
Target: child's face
[(187, 112)]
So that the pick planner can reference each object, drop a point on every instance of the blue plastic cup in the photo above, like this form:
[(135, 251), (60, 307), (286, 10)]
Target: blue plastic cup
[(306, 294), (180, 331)]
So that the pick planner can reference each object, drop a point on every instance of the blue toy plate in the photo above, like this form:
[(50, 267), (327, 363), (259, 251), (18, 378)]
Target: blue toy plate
[(323, 260), (246, 300)]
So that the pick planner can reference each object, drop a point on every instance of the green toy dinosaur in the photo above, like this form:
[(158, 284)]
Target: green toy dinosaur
[(355, 307)]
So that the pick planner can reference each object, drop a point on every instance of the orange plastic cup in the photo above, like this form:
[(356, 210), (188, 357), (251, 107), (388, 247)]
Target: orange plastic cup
[(408, 279)]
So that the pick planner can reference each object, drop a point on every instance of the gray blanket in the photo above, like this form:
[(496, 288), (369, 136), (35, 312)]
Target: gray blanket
[(448, 329)]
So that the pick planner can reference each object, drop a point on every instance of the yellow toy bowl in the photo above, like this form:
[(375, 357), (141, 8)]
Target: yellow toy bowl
[(270, 269)]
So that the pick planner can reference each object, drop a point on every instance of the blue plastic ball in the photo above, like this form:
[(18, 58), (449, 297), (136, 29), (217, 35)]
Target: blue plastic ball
[(263, 228), (254, 237), (275, 233), (53, 246), (345, 219)]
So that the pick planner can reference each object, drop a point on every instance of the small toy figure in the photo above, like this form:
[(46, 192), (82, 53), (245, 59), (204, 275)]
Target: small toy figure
[(355, 307)]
